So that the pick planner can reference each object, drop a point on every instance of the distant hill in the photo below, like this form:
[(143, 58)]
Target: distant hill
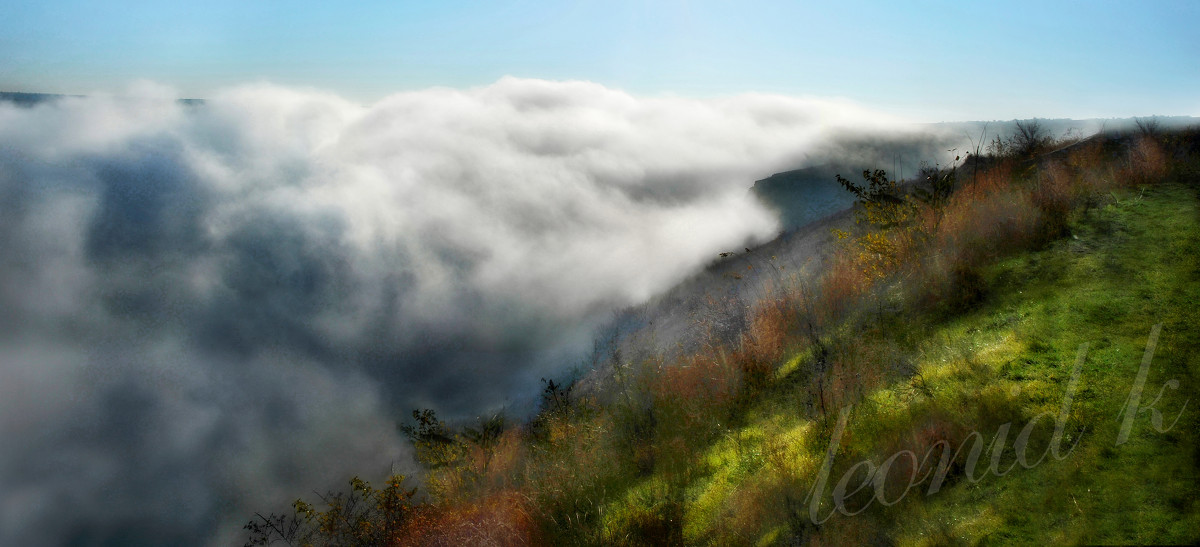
[(33, 99), (30, 99), (803, 196), (1063, 127), (810, 193)]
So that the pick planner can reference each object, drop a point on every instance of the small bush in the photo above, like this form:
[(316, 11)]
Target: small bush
[(1052, 196), (1146, 162), (365, 516)]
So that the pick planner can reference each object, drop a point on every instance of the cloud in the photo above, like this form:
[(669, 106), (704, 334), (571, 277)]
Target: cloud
[(211, 309)]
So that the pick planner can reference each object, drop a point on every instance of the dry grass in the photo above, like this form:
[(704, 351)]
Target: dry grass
[(503, 519), (772, 324), (841, 287), (1146, 162)]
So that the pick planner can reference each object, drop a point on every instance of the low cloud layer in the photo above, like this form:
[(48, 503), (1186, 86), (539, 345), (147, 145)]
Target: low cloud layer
[(210, 309)]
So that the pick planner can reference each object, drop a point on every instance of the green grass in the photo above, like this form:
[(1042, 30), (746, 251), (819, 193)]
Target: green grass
[(1126, 266), (1124, 270)]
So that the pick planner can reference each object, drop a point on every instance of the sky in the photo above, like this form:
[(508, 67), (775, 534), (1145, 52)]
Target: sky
[(207, 310), (927, 61)]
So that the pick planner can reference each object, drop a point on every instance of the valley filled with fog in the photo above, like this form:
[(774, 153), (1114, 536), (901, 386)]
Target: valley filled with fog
[(210, 306)]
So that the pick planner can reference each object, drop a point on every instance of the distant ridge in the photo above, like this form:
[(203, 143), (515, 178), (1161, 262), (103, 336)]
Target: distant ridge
[(33, 99), (806, 195), (810, 193)]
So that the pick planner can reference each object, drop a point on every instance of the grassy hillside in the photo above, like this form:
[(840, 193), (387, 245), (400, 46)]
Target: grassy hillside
[(1127, 266), (946, 323)]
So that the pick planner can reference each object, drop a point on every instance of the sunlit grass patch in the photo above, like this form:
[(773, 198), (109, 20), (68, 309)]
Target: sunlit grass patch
[(1138, 492), (789, 366)]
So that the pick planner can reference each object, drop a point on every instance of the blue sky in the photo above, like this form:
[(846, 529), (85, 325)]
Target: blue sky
[(930, 61)]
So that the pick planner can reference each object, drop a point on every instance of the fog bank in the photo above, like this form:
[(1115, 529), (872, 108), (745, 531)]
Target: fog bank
[(212, 308)]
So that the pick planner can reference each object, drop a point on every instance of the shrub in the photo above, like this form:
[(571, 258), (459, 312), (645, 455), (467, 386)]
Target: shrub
[(888, 216), (571, 474), (1145, 162), (364, 516), (1052, 196), (1030, 138)]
